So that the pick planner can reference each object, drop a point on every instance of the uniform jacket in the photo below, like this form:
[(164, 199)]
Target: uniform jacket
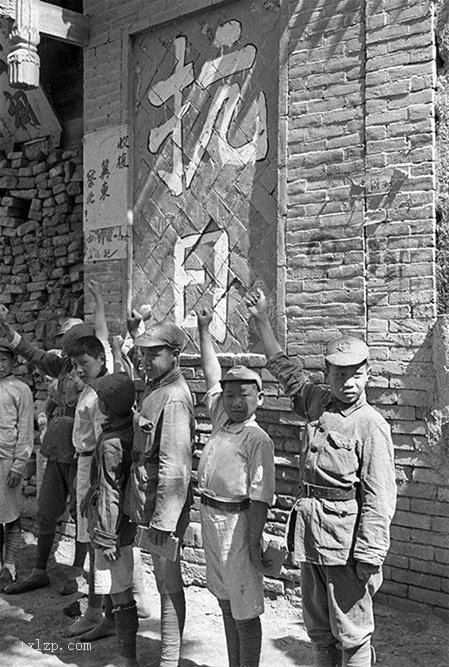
[(344, 447), (107, 523), (57, 444), (16, 422), (237, 461), (88, 420), (159, 488)]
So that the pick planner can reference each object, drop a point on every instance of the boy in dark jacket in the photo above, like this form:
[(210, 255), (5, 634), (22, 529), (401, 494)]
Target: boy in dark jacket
[(58, 480), (340, 524), (110, 530)]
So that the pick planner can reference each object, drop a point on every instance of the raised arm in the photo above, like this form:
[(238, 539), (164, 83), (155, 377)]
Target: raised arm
[(48, 362), (136, 320), (101, 326), (116, 346), (209, 360), (5, 328), (257, 308)]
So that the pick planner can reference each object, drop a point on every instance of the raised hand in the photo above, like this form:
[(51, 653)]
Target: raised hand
[(116, 343), (3, 312), (256, 302), (145, 311), (133, 321), (95, 289), (204, 316)]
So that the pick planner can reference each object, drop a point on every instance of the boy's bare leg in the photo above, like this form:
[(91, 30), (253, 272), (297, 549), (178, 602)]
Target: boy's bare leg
[(93, 614), (71, 584)]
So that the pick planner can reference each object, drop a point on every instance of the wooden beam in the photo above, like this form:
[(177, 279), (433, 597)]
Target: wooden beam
[(7, 9), (63, 24)]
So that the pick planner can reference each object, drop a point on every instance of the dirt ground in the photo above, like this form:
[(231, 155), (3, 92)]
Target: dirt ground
[(31, 627)]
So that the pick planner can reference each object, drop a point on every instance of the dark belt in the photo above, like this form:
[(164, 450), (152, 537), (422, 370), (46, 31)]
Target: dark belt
[(80, 454), (228, 506), (327, 492)]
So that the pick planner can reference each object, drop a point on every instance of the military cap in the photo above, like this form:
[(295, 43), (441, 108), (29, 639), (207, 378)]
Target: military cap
[(162, 335), (346, 351), (68, 324), (76, 332), (242, 374), (117, 391), (5, 346)]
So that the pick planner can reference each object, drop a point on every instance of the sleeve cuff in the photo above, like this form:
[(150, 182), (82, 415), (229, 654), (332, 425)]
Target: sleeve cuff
[(15, 341)]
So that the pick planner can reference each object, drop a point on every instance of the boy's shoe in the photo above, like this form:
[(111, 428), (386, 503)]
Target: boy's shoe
[(72, 610), (34, 581), (69, 587), (6, 579)]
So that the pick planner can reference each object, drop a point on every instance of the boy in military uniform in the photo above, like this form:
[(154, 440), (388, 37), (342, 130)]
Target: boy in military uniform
[(160, 493), (347, 494), (59, 475)]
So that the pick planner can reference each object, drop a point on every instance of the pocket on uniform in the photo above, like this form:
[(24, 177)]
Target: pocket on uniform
[(341, 441), (340, 507), (145, 424)]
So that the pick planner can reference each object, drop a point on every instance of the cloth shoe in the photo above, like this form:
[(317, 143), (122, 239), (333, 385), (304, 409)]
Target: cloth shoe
[(34, 581), (69, 587), (6, 579)]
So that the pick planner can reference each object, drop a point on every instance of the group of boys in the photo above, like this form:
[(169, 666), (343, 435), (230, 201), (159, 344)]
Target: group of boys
[(139, 474)]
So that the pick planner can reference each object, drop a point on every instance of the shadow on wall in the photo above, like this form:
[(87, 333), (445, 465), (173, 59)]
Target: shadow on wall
[(438, 423)]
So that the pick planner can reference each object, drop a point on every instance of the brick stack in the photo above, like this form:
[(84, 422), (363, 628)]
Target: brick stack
[(41, 245)]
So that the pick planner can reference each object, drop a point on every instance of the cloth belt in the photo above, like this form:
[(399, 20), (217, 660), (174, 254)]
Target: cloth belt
[(226, 505), (328, 492), (80, 454)]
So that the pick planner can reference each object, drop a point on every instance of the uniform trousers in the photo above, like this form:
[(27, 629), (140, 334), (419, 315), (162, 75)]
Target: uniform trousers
[(337, 605)]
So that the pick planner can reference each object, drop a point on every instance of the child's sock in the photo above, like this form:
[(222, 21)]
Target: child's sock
[(2, 534), (126, 626), (250, 641), (13, 538), (139, 591), (231, 633), (327, 656), (45, 538), (358, 656), (173, 612), (11, 567)]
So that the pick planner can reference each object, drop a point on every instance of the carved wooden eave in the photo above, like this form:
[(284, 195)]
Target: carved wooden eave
[(31, 19)]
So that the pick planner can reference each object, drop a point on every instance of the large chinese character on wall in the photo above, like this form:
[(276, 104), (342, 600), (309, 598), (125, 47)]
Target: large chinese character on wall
[(205, 166)]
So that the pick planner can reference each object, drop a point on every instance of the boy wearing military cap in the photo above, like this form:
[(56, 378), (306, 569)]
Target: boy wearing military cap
[(60, 471), (16, 445), (110, 529), (236, 479), (339, 528), (160, 491)]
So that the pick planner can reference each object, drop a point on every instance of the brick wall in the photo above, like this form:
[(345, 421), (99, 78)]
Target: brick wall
[(41, 247), (41, 255), (360, 239), (356, 231)]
